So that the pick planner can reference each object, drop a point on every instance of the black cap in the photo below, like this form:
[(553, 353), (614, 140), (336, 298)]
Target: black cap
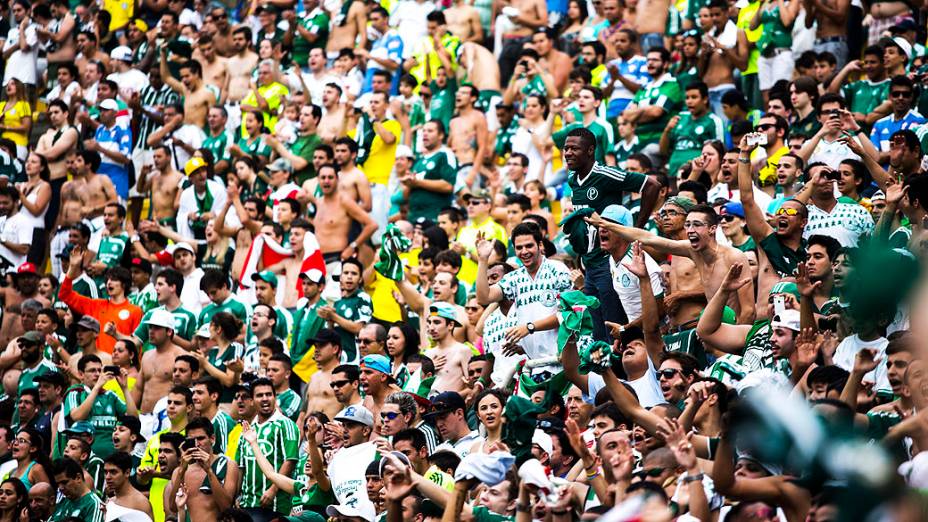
[(143, 264), (325, 336), (53, 378), (445, 402), (134, 425)]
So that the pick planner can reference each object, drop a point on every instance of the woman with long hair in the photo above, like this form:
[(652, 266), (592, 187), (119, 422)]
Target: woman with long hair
[(32, 464), (686, 70), (16, 116), (529, 138), (14, 497), (35, 194), (489, 406), (570, 26), (707, 167), (402, 341), (126, 356), (224, 361), (217, 251)]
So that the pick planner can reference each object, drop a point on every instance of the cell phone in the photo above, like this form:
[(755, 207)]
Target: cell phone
[(523, 63), (779, 304), (188, 444), (757, 138), (113, 369)]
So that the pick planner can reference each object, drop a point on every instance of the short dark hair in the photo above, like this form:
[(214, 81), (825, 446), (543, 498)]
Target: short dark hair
[(121, 460), (699, 86), (436, 16), (519, 199), (87, 359), (450, 257), (587, 138), (413, 435), (68, 467), (351, 371), (698, 190), (260, 381), (183, 390), (190, 360), (201, 423), (211, 384), (830, 97), (172, 278), (711, 215), (524, 229), (213, 278), (688, 364)]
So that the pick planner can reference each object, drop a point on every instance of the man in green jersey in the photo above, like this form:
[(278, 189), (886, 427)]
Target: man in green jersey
[(300, 152), (308, 31), (598, 186), (218, 139), (306, 320), (279, 370), (206, 393), (77, 500), (216, 286), (656, 102), (89, 401), (685, 133), (168, 285), (429, 186), (865, 95), (588, 101), (279, 439)]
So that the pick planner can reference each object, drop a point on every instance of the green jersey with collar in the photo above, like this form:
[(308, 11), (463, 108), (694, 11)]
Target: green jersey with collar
[(688, 136), (864, 95), (107, 407), (603, 186), (438, 165), (219, 145), (278, 440), (289, 403), (185, 324), (603, 138), (231, 305), (624, 149), (223, 423), (665, 93), (356, 307), (87, 508), (146, 298)]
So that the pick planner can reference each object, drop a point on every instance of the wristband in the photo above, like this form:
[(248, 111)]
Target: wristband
[(522, 508), (562, 512), (693, 478), (744, 160)]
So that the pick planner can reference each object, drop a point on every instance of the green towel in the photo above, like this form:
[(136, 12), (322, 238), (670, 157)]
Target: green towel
[(576, 325), (392, 243), (521, 418)]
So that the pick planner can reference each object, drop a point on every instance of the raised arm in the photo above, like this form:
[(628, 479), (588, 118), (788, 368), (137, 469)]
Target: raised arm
[(647, 239), (754, 215), (486, 294), (726, 337)]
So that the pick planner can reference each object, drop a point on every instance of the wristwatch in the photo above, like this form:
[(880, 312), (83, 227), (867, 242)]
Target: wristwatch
[(531, 327)]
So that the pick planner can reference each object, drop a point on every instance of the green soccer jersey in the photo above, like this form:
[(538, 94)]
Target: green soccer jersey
[(185, 325), (665, 93), (355, 307), (86, 508), (503, 146), (86, 286), (219, 145), (602, 186), (103, 414), (441, 107), (111, 249), (317, 23), (603, 138), (223, 423), (807, 126), (28, 375), (307, 324), (231, 305), (688, 136), (305, 147), (279, 440), (146, 298), (439, 165), (254, 148), (624, 149), (864, 95), (289, 403)]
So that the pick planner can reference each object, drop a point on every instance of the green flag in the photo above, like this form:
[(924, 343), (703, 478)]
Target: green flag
[(392, 243)]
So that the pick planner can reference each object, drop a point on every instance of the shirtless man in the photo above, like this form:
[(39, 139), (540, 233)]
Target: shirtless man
[(376, 382), (478, 66), (468, 136), (292, 266), (240, 65), (348, 31), (335, 211), (558, 63), (215, 67), (450, 356), (58, 141), (831, 34), (351, 180), (683, 274), (712, 260), (725, 47), (319, 394), (198, 470), (119, 490), (222, 38), (463, 21), (332, 124), (155, 379), (197, 98), (88, 187), (517, 31), (164, 183), (89, 52)]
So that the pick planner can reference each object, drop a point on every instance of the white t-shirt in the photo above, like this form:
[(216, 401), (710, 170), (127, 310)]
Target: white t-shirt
[(646, 387), (346, 473), (832, 153), (722, 190), (191, 297), (847, 352), (69, 91), (537, 298), (626, 284), (409, 20), (494, 338), (191, 135), (129, 82), (15, 229), (22, 65), (462, 446)]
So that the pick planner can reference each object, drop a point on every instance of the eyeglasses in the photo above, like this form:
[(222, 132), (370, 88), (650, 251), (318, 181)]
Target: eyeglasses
[(786, 211), (765, 126), (668, 213), (475, 201), (900, 94), (471, 308), (728, 218), (831, 112), (668, 373), (338, 384), (389, 415)]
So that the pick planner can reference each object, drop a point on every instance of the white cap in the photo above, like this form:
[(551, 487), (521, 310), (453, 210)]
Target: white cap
[(204, 331), (109, 104), (904, 45), (543, 440), (403, 151), (356, 413), (162, 318), (183, 245), (788, 319), (121, 53), (313, 274), (363, 510)]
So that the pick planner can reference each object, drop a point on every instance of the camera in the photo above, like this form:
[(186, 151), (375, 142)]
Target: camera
[(111, 369), (523, 64), (188, 444)]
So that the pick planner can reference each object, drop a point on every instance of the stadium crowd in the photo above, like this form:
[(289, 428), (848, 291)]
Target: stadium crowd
[(501, 260)]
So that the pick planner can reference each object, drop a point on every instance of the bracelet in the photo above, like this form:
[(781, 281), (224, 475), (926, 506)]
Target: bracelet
[(522, 508), (562, 512), (744, 160), (693, 478), (592, 476)]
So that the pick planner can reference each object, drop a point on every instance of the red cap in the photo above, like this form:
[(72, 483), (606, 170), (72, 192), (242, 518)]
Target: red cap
[(27, 268)]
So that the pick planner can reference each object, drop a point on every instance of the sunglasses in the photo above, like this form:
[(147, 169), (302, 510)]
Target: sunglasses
[(651, 472), (338, 384), (693, 224), (728, 218), (765, 126), (787, 211), (900, 94), (389, 415), (669, 373)]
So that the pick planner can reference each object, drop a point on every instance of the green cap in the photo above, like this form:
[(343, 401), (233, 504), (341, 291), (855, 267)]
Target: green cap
[(685, 203), (786, 287), (33, 337), (445, 311), (267, 276)]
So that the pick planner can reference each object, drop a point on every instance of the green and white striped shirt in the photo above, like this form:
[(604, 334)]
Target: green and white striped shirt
[(278, 439)]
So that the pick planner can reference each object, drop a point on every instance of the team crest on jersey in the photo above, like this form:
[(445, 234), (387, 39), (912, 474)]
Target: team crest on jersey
[(592, 193), (550, 299)]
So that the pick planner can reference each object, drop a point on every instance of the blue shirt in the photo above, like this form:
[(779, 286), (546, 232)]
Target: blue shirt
[(117, 139), (636, 70), (885, 127), (390, 45)]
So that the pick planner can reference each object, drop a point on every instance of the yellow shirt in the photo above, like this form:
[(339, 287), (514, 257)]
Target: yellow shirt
[(467, 236), (385, 307), (234, 437), (274, 94), (120, 11), (744, 23), (380, 159), (769, 171), (113, 386), (13, 117)]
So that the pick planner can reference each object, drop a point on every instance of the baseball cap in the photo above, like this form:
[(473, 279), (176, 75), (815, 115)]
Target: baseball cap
[(445, 311), (109, 104), (377, 362), (313, 274), (162, 318), (80, 428), (33, 337), (403, 151), (685, 203), (267, 276), (483, 194), (734, 208), (183, 245), (788, 319), (364, 510), (121, 53), (325, 336), (543, 440), (356, 413), (89, 323), (194, 164), (204, 331), (899, 42), (280, 164), (270, 9), (785, 287), (27, 268), (142, 264), (879, 195), (617, 214), (53, 378), (905, 25), (134, 425), (445, 402)]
